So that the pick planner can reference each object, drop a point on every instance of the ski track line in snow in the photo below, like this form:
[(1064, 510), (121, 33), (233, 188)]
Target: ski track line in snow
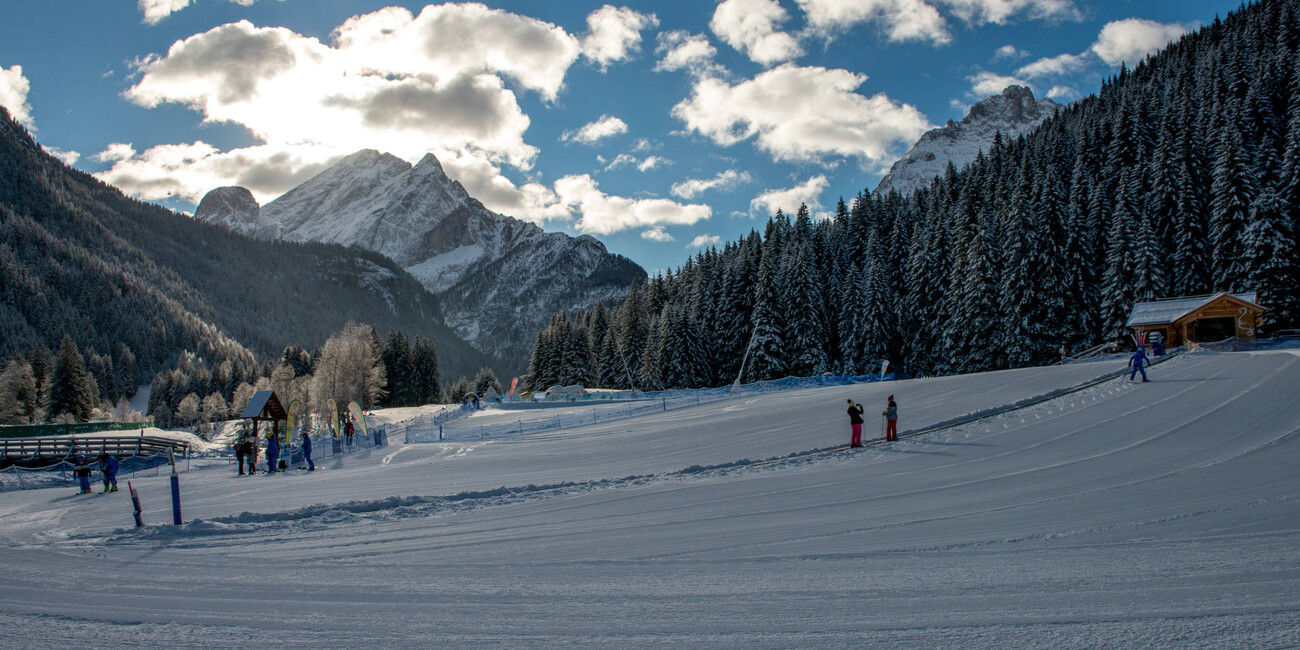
[(971, 513), (421, 506)]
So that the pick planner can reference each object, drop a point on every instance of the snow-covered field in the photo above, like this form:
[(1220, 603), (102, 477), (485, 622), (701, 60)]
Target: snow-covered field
[(1121, 515)]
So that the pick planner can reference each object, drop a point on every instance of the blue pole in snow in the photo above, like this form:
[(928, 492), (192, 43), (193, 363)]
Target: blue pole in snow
[(176, 491)]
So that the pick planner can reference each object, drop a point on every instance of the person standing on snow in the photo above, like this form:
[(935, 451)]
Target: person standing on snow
[(855, 422), (1139, 363), (108, 464), (251, 453), (241, 450), (272, 452), (306, 450), (349, 430), (891, 417), (82, 472)]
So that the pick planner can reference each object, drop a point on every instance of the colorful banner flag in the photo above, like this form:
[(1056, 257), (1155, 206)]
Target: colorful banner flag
[(513, 383), (295, 411), (334, 416), (359, 418)]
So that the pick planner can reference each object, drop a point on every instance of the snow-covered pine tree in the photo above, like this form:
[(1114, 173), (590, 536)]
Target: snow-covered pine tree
[(70, 385), (17, 393), (1191, 253), (1270, 245), (1019, 288), (767, 358), (853, 322), (1117, 279), (1081, 258), (426, 374), (805, 331), (651, 377), (1233, 193)]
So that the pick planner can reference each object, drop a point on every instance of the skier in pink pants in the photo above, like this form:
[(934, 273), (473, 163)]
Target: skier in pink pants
[(855, 421)]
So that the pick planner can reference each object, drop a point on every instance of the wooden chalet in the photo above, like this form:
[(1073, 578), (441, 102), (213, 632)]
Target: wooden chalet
[(265, 407), (1199, 319)]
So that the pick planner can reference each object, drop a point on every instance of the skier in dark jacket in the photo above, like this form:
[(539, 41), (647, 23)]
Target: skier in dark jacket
[(855, 422), (108, 464), (306, 450), (1139, 363), (891, 416), (241, 451), (82, 472), (272, 452), (349, 430)]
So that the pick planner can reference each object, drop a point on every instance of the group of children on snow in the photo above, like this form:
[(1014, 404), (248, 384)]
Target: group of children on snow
[(246, 450), (107, 465)]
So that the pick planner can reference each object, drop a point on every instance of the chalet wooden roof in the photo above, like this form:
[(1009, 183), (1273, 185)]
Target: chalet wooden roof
[(1171, 310), (265, 406)]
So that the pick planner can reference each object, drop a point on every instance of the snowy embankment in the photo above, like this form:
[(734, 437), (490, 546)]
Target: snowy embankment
[(1162, 514)]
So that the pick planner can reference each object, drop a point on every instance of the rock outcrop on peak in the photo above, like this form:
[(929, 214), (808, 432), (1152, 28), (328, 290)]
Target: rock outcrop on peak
[(1010, 113)]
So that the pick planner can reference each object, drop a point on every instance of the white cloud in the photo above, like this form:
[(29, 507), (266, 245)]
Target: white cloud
[(1053, 66), (156, 10), (1000, 12), (603, 214), (987, 83), (621, 160), (682, 50), (1131, 39), (653, 162), (68, 156), (899, 20), (443, 82), (701, 241), (788, 200), (13, 95), (801, 114), (1062, 92), (1009, 52), (693, 187), (657, 234), (607, 126), (750, 26), (116, 151), (614, 34)]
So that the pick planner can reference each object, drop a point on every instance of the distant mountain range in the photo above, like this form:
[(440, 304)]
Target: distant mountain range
[(142, 283), (498, 278), (1013, 112)]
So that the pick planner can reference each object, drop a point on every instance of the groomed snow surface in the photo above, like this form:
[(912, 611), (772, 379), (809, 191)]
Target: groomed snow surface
[(1121, 515)]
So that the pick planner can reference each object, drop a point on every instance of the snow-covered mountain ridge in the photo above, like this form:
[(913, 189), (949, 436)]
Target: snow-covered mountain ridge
[(499, 278), (1010, 113)]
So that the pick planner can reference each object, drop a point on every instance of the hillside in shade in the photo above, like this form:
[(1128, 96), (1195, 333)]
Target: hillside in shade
[(136, 282)]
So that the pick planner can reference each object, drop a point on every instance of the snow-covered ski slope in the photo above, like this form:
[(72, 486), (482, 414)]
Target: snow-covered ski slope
[(1122, 515)]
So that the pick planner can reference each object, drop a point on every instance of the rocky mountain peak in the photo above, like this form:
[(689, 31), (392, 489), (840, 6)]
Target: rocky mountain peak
[(1012, 112), (231, 206), (499, 278)]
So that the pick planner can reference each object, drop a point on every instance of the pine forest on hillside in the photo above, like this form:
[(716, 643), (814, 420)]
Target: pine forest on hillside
[(1181, 177), (128, 293)]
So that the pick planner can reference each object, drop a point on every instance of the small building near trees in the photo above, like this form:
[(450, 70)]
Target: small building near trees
[(1199, 319), (265, 407)]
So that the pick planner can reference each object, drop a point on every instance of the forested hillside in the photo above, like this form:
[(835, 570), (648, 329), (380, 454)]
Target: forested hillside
[(135, 285), (1180, 177)]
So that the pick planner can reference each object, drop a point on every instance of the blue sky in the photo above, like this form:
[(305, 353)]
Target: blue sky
[(658, 127)]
